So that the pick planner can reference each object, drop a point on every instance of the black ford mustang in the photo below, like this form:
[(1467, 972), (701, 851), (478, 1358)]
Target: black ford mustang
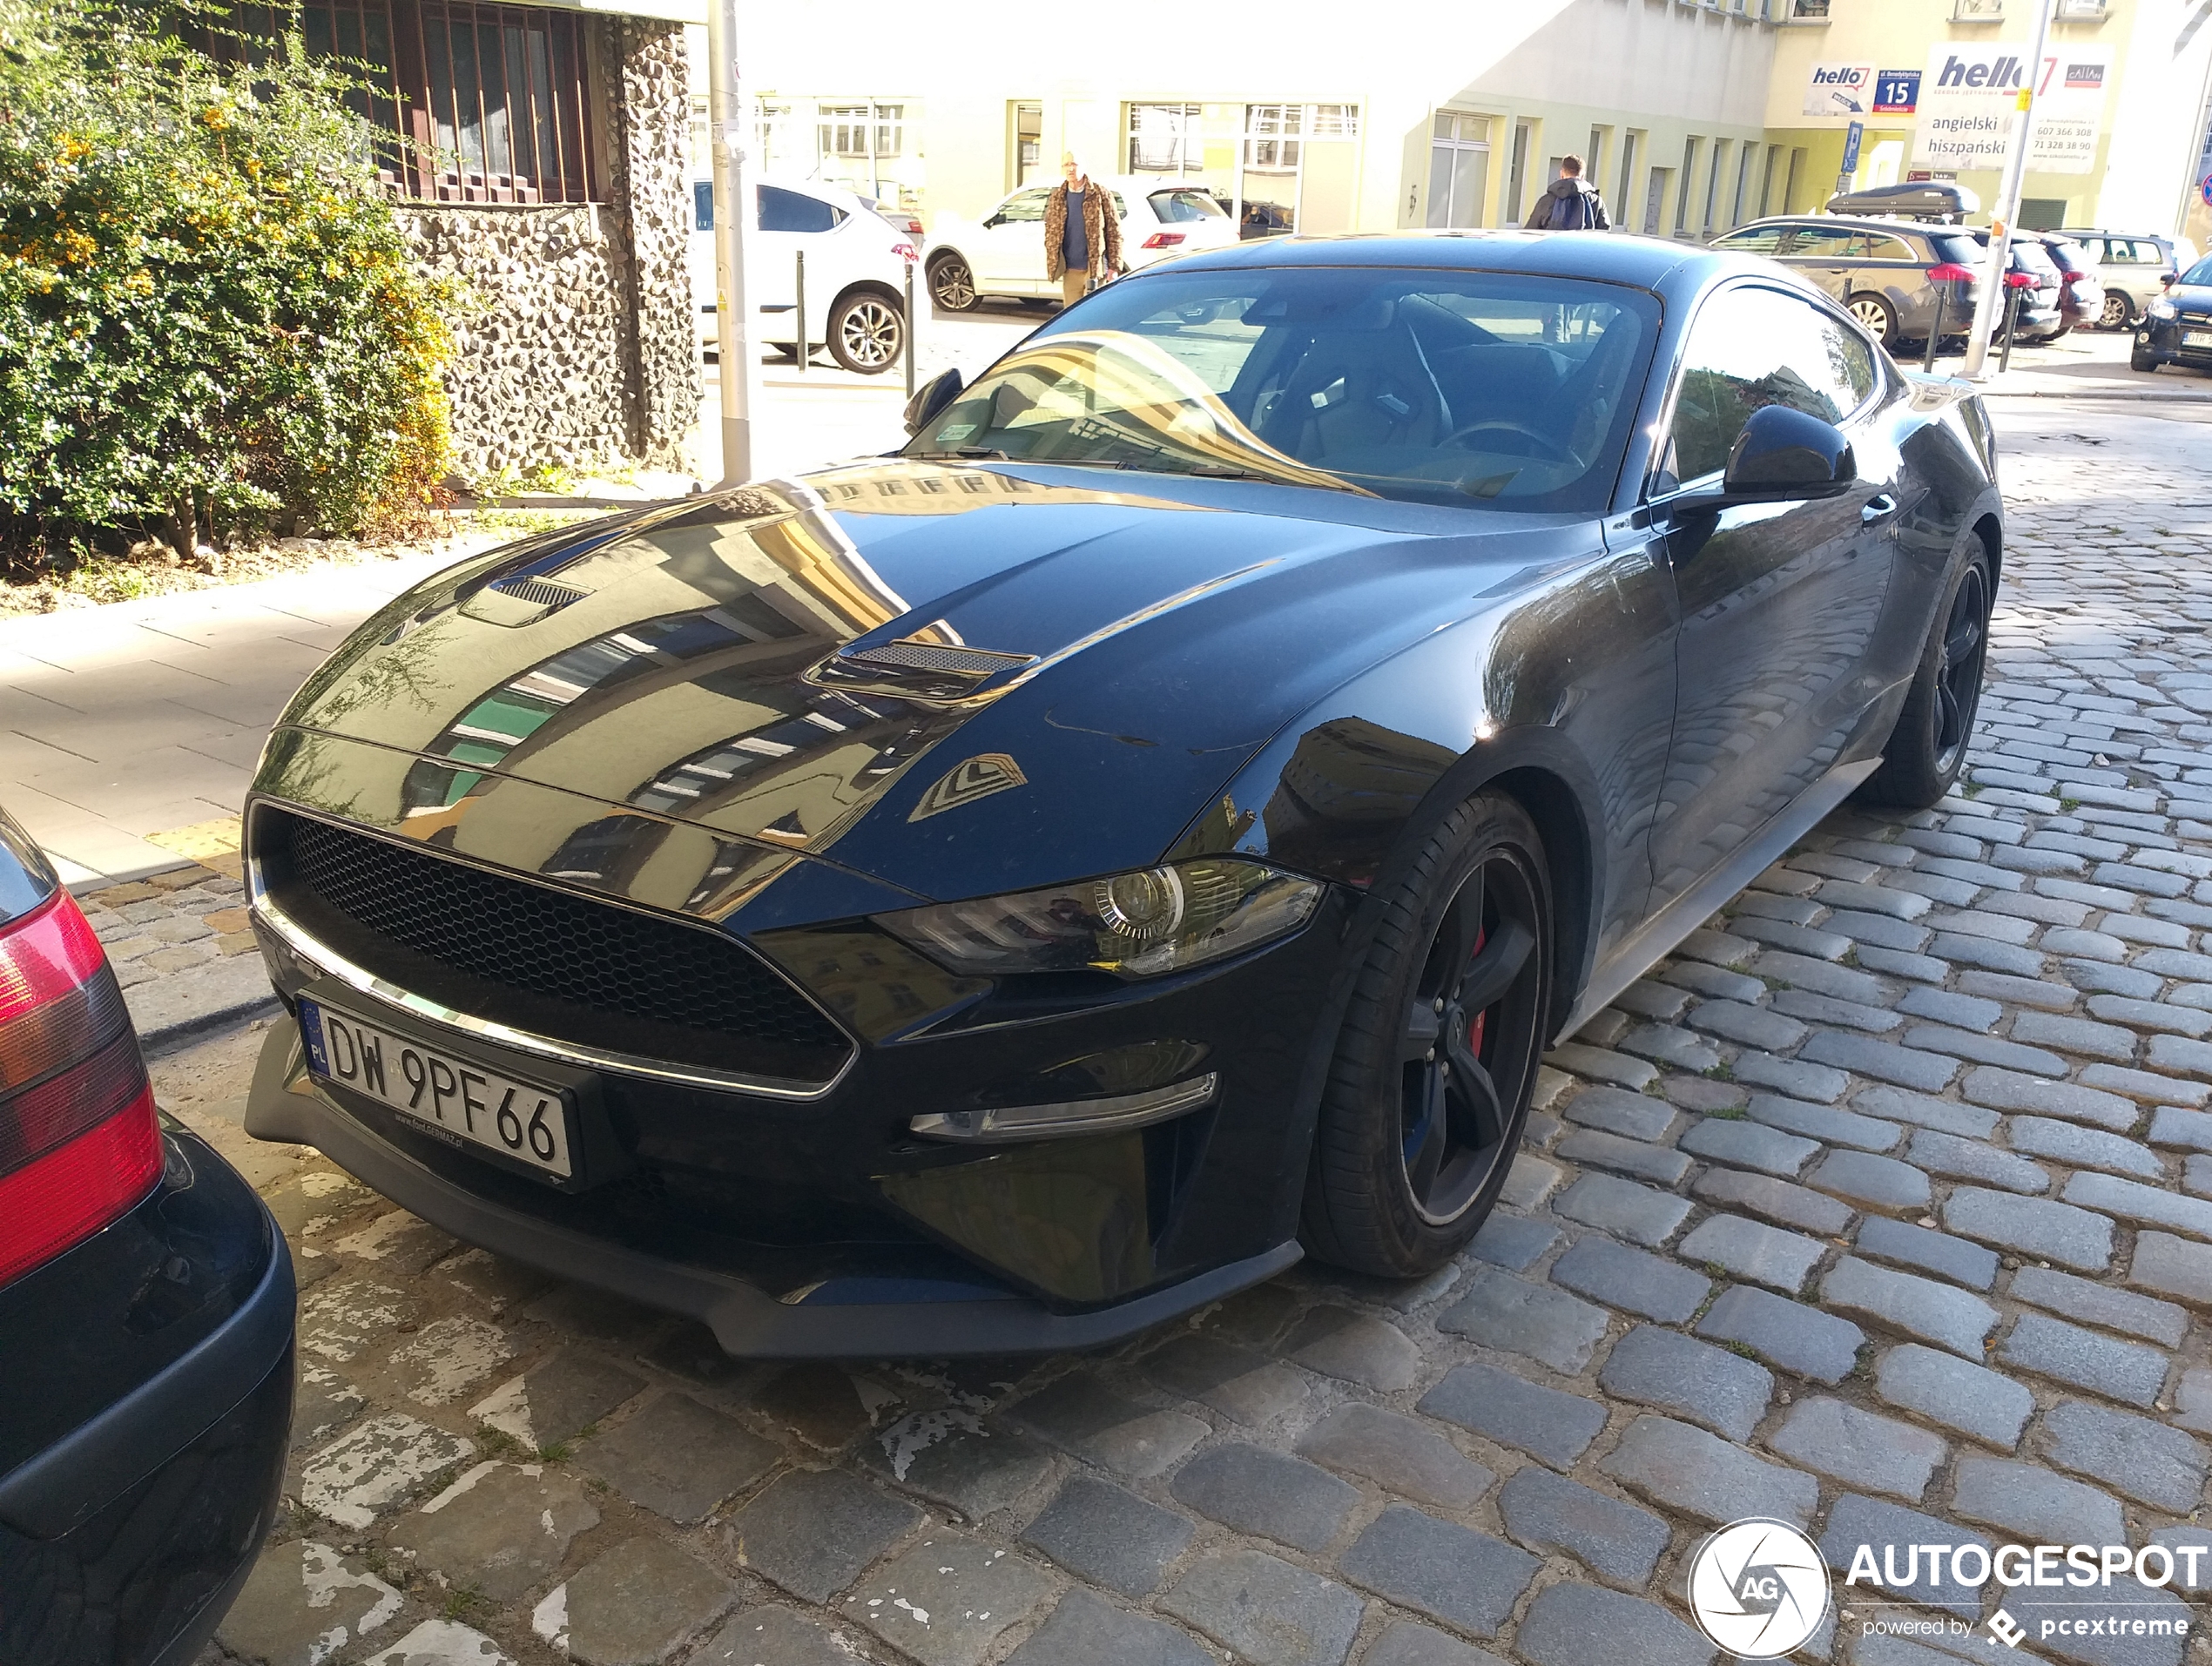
[(1003, 894)]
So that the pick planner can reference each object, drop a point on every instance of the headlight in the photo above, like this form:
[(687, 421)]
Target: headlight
[(1134, 925), (2159, 306)]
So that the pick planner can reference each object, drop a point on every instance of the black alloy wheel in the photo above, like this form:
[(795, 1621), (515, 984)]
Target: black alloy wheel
[(952, 286), (1429, 1090), (1928, 747)]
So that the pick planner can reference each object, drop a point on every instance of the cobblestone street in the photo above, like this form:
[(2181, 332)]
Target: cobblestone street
[(1884, 1208)]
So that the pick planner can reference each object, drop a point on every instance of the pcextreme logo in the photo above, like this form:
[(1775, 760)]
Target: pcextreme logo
[(1758, 1588)]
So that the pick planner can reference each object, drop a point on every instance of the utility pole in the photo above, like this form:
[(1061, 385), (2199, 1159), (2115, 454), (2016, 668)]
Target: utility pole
[(726, 116), (1989, 307)]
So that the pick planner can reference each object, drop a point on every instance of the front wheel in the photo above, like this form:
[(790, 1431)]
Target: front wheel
[(2140, 358), (1878, 318), (2117, 315), (952, 286), (866, 333), (1429, 1089), (1928, 747)]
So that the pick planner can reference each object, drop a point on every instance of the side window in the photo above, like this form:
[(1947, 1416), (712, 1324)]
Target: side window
[(1890, 248), (792, 211), (1751, 348), (1024, 205), (1759, 239), (703, 204), (1812, 243)]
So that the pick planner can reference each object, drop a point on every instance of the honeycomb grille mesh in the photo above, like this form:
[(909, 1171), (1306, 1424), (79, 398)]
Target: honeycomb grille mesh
[(550, 943), (924, 656)]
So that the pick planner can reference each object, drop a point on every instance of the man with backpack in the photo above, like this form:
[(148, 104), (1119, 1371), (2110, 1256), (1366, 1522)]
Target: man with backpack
[(1571, 204)]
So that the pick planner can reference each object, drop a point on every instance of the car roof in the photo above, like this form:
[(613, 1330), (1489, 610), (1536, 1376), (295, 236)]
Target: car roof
[(1851, 222), (1646, 262)]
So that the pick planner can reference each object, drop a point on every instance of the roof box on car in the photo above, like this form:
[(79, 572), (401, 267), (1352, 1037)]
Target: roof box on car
[(1922, 199)]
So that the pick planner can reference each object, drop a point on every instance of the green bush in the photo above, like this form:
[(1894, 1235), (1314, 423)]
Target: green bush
[(208, 321)]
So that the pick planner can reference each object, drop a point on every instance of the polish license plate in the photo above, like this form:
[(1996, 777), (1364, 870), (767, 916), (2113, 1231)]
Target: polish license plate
[(462, 1100), (2197, 338)]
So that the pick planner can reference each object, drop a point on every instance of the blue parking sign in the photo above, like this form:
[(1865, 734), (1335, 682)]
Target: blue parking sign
[(1852, 135)]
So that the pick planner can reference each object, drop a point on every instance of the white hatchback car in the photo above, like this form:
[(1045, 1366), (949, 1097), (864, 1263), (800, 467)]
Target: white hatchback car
[(1003, 254), (856, 272)]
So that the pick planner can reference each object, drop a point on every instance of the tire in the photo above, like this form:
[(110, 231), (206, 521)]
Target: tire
[(866, 332), (952, 286), (2058, 334), (1928, 747), (1428, 1091), (2117, 315), (2139, 359), (1878, 316)]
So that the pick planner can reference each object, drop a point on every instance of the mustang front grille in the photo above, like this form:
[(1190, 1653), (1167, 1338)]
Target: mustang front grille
[(549, 961)]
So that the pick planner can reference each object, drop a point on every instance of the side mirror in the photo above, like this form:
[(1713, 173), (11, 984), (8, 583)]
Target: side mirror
[(931, 398), (995, 219), (1784, 454)]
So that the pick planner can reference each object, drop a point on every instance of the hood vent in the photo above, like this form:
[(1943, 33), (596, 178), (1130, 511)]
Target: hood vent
[(920, 671), (520, 601), (936, 656)]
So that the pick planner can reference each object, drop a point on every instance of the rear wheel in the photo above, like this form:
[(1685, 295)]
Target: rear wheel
[(2117, 315), (866, 333), (2140, 358), (1428, 1092), (1928, 747), (952, 286), (1878, 317)]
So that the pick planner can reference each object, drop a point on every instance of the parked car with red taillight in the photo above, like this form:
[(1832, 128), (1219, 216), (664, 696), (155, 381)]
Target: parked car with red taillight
[(145, 1322), (2081, 291)]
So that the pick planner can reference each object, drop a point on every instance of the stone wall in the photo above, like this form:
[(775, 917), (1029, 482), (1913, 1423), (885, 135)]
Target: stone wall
[(577, 346)]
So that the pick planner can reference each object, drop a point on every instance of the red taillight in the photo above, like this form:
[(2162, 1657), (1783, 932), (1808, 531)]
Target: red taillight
[(1949, 272), (906, 251), (2021, 280), (1162, 239), (78, 1144)]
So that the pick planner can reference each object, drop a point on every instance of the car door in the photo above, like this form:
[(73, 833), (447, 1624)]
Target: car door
[(1009, 254), (1825, 254), (1779, 602)]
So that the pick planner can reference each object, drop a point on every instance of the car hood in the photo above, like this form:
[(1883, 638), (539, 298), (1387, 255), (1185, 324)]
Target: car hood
[(953, 679), (2189, 297)]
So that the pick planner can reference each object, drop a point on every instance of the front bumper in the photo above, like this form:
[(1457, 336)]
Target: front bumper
[(2165, 340), (934, 1317)]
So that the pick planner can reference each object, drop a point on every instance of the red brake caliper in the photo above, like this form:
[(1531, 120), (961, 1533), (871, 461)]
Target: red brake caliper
[(1475, 1023)]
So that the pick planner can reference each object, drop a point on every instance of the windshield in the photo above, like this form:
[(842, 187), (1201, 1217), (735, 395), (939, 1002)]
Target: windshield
[(1177, 206), (1474, 388), (2199, 274)]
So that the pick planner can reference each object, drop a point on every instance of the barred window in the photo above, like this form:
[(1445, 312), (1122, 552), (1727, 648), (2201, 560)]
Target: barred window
[(845, 129)]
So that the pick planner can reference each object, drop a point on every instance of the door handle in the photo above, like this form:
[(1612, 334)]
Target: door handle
[(1879, 507)]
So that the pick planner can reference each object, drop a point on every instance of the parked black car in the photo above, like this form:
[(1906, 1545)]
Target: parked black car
[(1003, 895), (2176, 327), (145, 1322), (2036, 277)]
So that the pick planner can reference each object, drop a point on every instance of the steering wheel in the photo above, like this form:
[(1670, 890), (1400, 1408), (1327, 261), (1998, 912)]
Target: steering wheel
[(1550, 450)]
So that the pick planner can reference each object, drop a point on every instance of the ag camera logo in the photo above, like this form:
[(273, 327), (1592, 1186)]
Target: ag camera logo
[(1758, 1588)]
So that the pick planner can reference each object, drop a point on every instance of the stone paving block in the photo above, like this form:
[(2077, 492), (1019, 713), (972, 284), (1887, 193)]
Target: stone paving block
[(1759, 1027), (2075, 1036), (441, 1642), (1983, 1049), (1786, 1334), (1827, 1010), (1704, 1094), (2193, 1401), (1623, 1208), (1938, 1313), (1799, 1078), (1084, 1630), (1825, 1123), (1748, 1146), (2099, 1305), (1588, 1149), (2190, 1130), (1797, 940), (1855, 1520), (1696, 1381), (1546, 1423), (1881, 1061), (1581, 1625), (1957, 948), (819, 1402), (1632, 1116), (375, 1465), (2029, 1500), (550, 1402), (322, 1404), (1254, 1490), (2084, 1148), (1400, 1455), (1113, 1538), (1502, 1311), (401, 1244), (2122, 1371), (2172, 1266), (2036, 1226), (1601, 1064), (1751, 1250), (2146, 1206), (772, 1634), (1618, 1542), (1962, 1011), (1823, 977), (1877, 1183), (1669, 1044), (1970, 1399), (1882, 1238), (948, 1455), (1529, 1181), (1687, 1469), (679, 1460), (303, 1602), (337, 1321), (1407, 1644), (813, 1531), (1235, 1382), (2144, 1086), (1512, 1241), (1265, 1611), (1082, 1415), (1780, 1201), (1354, 1347), (2134, 1456), (2009, 1090), (948, 1599), (1714, 982), (1630, 1279), (1963, 1159), (1946, 1115), (1465, 1579), (1859, 1448), (502, 1528), (634, 1605)]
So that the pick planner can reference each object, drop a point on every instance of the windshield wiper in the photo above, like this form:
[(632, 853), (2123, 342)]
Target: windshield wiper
[(965, 453)]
